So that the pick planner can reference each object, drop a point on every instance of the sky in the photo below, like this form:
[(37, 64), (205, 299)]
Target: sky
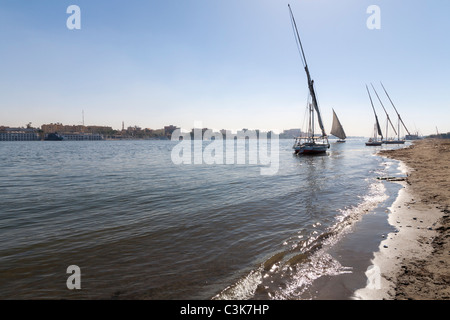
[(229, 64)]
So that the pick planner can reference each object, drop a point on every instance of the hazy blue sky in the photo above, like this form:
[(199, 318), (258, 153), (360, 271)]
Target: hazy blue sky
[(228, 63)]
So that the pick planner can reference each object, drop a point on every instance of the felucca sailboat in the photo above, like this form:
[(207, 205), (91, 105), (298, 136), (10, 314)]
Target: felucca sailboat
[(310, 143), (377, 130), (336, 129), (398, 141), (388, 121)]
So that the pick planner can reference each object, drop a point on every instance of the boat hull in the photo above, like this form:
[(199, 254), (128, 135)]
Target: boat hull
[(311, 149), (373, 144), (412, 137), (394, 141), (53, 137)]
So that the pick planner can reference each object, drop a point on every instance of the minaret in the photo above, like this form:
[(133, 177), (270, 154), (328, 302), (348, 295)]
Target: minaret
[(83, 128)]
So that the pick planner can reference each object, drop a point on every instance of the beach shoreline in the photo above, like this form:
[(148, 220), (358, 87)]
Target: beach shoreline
[(413, 261)]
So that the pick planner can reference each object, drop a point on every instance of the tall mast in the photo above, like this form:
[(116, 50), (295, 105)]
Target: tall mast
[(399, 118), (310, 81), (312, 121), (387, 115), (376, 118)]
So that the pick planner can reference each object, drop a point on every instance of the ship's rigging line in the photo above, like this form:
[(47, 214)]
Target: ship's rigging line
[(297, 37)]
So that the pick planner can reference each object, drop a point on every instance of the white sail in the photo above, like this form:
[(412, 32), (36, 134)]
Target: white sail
[(337, 129)]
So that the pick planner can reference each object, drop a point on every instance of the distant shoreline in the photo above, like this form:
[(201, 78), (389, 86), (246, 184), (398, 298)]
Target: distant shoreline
[(332, 139)]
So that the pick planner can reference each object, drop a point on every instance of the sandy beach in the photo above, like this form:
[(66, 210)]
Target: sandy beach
[(414, 260)]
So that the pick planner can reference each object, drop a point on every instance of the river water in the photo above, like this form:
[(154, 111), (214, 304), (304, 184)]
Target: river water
[(140, 226)]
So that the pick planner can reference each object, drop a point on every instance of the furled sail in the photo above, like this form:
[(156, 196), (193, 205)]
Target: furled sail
[(376, 118), (337, 129), (387, 115)]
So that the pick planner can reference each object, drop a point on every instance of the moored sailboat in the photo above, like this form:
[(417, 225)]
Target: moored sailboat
[(399, 120), (377, 130), (311, 143), (336, 129), (388, 121)]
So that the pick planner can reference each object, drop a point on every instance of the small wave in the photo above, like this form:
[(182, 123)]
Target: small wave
[(287, 274), (244, 289), (304, 274)]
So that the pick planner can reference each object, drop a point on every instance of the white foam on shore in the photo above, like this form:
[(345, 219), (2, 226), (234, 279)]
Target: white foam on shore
[(415, 223)]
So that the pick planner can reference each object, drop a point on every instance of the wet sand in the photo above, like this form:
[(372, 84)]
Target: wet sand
[(414, 260)]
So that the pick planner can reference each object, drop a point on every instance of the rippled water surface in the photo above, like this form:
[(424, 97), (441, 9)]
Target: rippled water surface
[(141, 227)]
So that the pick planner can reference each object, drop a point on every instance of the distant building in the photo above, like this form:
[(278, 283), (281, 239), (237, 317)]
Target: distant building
[(18, 134), (290, 134), (75, 129), (168, 130), (197, 133), (77, 132), (98, 130), (60, 128), (158, 132)]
